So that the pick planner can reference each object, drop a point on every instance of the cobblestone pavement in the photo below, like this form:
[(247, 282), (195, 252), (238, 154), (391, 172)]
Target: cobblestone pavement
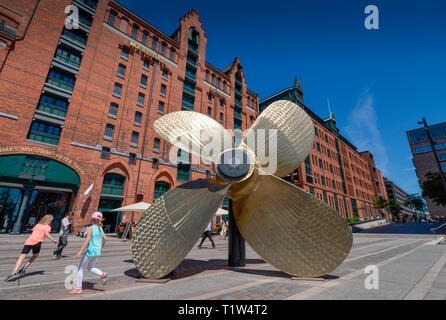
[(411, 266)]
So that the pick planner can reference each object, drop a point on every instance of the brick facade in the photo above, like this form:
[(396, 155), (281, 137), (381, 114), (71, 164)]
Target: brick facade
[(25, 78), (335, 171)]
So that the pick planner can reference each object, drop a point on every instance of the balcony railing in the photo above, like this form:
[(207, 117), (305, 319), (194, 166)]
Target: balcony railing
[(53, 109), (191, 62), (89, 3), (75, 38), (191, 76), (237, 114), (85, 22), (189, 90), (68, 61), (113, 190), (187, 105), (61, 84), (44, 137), (193, 48)]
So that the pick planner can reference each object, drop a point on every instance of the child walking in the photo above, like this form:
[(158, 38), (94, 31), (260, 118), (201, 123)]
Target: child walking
[(34, 243), (94, 243)]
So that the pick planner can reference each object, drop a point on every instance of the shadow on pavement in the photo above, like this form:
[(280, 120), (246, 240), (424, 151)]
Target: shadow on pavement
[(191, 267), (407, 228), (90, 286)]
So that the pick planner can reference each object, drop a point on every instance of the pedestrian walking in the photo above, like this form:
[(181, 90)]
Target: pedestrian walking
[(34, 243), (94, 244), (207, 234), (224, 230), (63, 235)]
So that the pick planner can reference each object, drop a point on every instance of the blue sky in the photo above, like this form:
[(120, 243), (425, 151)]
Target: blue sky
[(380, 82)]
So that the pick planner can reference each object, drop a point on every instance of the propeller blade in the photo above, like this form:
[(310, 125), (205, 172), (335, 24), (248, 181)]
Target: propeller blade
[(295, 137), (194, 133), (291, 229), (172, 225)]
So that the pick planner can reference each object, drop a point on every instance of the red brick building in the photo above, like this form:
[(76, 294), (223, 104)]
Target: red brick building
[(335, 171), (78, 102)]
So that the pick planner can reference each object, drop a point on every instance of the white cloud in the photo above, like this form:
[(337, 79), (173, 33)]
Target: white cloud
[(363, 131)]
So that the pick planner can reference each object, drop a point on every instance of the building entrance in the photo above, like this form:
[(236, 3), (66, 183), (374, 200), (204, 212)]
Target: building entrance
[(43, 203), (31, 187)]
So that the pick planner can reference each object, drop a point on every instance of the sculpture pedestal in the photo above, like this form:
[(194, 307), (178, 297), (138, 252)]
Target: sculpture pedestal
[(236, 244)]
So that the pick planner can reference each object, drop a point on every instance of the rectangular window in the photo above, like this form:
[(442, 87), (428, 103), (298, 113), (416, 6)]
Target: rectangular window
[(308, 170), (143, 81), (172, 54), (146, 65), (161, 107), (320, 165), (105, 154), (323, 181), (141, 98), (44, 133), (444, 168), (209, 112), (221, 117), (117, 90), (165, 74), (442, 157), (135, 31), (222, 104), (113, 111), (112, 18), (163, 90), (135, 138), (154, 43), (109, 130), (145, 35), (207, 76), (121, 70), (156, 145), (163, 49), (125, 53), (209, 97), (325, 197), (138, 118), (318, 147), (132, 158)]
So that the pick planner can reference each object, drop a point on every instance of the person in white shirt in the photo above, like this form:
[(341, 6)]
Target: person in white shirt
[(63, 235), (207, 234)]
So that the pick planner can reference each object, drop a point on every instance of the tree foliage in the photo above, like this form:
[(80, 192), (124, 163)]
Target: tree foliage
[(434, 189), (395, 208), (416, 202)]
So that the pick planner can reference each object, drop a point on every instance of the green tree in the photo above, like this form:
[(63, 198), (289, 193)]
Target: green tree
[(416, 202), (394, 207), (380, 204), (434, 189)]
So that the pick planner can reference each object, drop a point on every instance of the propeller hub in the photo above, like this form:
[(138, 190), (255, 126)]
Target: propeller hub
[(234, 165)]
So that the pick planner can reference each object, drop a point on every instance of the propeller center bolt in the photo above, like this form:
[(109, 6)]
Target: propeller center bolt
[(234, 164)]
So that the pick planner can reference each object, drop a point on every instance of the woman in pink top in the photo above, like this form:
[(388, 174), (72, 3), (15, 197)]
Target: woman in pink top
[(34, 243)]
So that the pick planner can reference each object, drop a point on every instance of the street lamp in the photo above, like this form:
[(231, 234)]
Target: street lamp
[(432, 143)]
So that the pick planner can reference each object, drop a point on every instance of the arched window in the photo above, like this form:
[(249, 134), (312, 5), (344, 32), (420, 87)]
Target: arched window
[(113, 184), (161, 188)]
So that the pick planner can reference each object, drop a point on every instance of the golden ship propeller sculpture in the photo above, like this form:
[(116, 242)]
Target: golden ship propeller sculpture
[(289, 228)]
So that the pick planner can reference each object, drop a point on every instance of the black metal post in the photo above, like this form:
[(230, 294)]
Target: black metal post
[(236, 243), (431, 141)]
